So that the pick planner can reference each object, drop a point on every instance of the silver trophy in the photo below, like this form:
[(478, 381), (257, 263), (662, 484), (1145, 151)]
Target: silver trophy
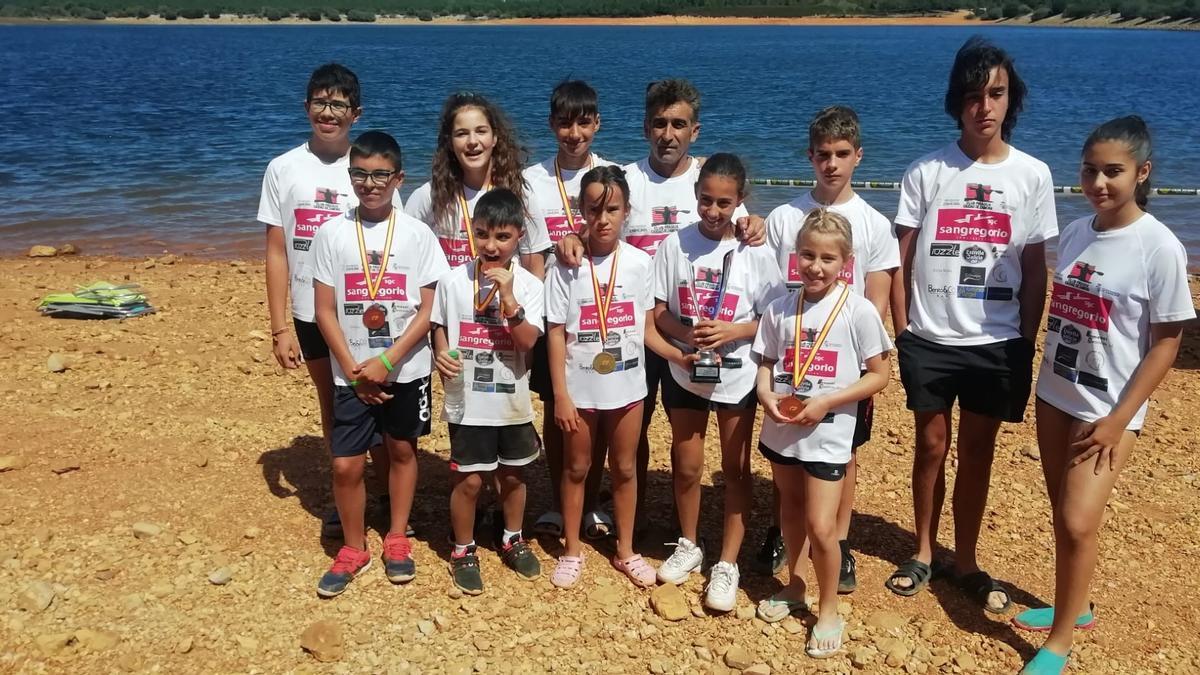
[(706, 369)]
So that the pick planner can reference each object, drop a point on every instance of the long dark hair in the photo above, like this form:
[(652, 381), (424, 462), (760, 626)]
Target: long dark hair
[(972, 68), (1133, 132)]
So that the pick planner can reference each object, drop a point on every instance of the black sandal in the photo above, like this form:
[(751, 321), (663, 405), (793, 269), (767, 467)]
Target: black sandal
[(914, 570), (979, 585)]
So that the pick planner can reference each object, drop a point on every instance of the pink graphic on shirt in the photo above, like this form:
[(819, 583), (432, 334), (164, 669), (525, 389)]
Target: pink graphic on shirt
[(308, 221), (559, 227), (1086, 309), (824, 363), (974, 225), (793, 271), (457, 250), (620, 315), (326, 196), (708, 302), (484, 336), (393, 287), (647, 242)]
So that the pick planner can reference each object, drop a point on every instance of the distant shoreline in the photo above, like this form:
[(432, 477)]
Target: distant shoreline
[(959, 18)]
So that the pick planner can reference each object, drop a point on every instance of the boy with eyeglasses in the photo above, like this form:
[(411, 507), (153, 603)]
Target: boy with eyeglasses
[(302, 189)]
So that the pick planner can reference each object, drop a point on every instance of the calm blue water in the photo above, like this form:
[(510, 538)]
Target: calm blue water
[(123, 138)]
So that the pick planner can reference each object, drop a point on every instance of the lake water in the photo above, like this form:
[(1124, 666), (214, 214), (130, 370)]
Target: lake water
[(127, 139)]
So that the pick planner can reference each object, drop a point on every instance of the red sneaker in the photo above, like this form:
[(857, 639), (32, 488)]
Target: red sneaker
[(398, 564), (349, 563)]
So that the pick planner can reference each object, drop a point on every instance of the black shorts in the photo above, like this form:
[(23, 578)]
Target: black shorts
[(993, 379), (476, 448), (826, 471), (312, 343), (864, 421), (675, 396), (539, 371), (358, 426)]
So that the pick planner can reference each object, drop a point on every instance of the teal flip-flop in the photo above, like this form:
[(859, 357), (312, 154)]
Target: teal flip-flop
[(774, 608), (1040, 619), (1045, 662)]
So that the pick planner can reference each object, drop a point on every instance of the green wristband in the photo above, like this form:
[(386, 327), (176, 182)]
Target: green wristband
[(353, 383), (386, 364)]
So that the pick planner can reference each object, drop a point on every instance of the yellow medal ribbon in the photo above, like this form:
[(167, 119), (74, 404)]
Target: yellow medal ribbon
[(798, 373), (603, 303), (466, 214), (562, 192), (373, 285)]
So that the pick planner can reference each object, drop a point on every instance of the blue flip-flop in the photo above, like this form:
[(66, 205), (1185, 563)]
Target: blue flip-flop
[(1040, 619), (1045, 662)]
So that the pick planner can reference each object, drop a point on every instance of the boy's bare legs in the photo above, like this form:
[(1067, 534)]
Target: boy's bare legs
[(350, 496), (928, 482), (401, 480), (976, 448), (462, 505), (512, 496)]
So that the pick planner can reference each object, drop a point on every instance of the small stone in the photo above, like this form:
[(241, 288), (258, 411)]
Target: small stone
[(324, 641), (669, 602), (52, 643), (247, 643), (10, 463), (441, 621), (426, 627), (928, 630), (183, 646), (42, 251), (106, 574), (1031, 451), (251, 532), (202, 461), (220, 576), (187, 538), (97, 640), (703, 653), (888, 621), (144, 530), (68, 249), (454, 593), (792, 625), (965, 661), (37, 596), (861, 657), (56, 363), (738, 658), (897, 655), (66, 466), (744, 613), (149, 264), (757, 669), (648, 631)]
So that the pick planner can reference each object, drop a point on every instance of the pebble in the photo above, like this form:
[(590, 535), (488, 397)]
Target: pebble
[(889, 621), (68, 249), (738, 658), (247, 643), (36, 596), (183, 646), (97, 640), (757, 669), (324, 641), (66, 466), (144, 530), (792, 625), (703, 653), (861, 657), (221, 576), (251, 532), (426, 627), (52, 643), (56, 363), (744, 613), (10, 463), (187, 538), (965, 661), (648, 631), (669, 602), (897, 655), (42, 251), (1031, 451)]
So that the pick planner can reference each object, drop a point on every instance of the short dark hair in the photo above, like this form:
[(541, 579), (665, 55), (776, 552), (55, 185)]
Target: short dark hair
[(835, 123), (336, 78), (666, 93), (377, 144), (500, 207), (573, 99), (728, 165), (972, 68)]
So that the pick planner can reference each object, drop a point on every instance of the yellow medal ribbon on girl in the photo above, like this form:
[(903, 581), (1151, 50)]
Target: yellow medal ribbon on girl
[(562, 193), (466, 215)]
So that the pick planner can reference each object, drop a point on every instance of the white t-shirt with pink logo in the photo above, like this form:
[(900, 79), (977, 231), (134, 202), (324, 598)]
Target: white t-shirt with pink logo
[(874, 242), (496, 375), (1109, 287), (452, 236), (571, 301), (689, 260), (856, 335), (659, 206), (542, 182), (415, 262), (974, 220)]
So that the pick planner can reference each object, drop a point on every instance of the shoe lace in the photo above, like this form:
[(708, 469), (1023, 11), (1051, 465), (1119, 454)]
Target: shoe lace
[(397, 547), (346, 561), (721, 579), (683, 549)]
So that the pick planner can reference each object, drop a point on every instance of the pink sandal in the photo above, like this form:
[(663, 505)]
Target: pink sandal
[(567, 572), (637, 569)]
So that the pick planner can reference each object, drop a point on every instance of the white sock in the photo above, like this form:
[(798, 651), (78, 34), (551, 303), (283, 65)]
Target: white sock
[(460, 549), (509, 535)]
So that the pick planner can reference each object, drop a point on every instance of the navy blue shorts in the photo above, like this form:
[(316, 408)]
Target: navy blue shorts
[(358, 426)]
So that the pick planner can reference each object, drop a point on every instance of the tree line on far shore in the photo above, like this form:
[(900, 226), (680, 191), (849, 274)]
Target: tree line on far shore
[(367, 11)]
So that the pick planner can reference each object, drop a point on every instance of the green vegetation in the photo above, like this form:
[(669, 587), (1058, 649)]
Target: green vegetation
[(426, 10)]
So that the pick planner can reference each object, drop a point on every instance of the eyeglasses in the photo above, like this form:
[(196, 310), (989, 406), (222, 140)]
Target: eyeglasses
[(380, 177), (319, 105)]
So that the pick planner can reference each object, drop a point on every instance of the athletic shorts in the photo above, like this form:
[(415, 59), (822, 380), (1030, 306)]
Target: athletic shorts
[(993, 379), (476, 448), (864, 421), (539, 371), (358, 426), (827, 471), (675, 396), (312, 343)]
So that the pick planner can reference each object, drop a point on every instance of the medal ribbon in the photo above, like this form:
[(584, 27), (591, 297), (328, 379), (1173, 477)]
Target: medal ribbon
[(373, 285), (480, 306), (798, 373), (466, 215), (562, 192), (603, 303)]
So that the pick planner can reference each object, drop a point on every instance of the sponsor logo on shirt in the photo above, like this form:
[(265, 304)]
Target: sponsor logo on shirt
[(666, 215), (978, 192), (326, 196), (620, 315), (973, 225), (937, 291), (1070, 334), (558, 226), (393, 287), (943, 250), (1083, 272), (972, 276), (457, 249), (1067, 356), (473, 335), (308, 221), (974, 254), (1078, 306), (647, 242), (824, 363), (708, 301)]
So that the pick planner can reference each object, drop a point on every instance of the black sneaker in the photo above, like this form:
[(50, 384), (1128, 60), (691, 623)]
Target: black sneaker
[(465, 571), (846, 578), (518, 556), (771, 556)]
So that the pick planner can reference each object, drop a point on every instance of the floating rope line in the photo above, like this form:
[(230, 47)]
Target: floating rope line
[(894, 186)]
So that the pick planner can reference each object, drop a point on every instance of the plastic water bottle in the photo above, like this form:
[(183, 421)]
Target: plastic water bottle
[(452, 390)]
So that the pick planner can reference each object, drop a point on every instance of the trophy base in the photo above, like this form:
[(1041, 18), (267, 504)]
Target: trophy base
[(706, 374)]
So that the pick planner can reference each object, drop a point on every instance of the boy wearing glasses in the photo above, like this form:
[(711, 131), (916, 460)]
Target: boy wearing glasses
[(302, 189), (374, 273)]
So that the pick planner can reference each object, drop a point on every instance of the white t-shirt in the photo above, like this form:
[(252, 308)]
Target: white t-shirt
[(571, 301), (542, 183), (688, 258), (659, 206), (974, 221), (415, 261), (1109, 287), (496, 374), (454, 241), (856, 335), (875, 247)]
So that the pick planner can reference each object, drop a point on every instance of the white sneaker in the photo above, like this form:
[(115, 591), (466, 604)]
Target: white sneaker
[(722, 587), (686, 559)]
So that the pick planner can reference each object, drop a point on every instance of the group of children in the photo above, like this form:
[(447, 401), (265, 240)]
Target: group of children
[(601, 287)]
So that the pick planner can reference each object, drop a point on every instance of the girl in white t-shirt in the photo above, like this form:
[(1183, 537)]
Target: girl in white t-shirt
[(1117, 307), (477, 149), (809, 348), (709, 291), (600, 319)]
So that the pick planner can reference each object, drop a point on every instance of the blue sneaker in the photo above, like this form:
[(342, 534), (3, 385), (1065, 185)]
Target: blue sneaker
[(349, 563), (1040, 619), (1045, 662), (398, 563)]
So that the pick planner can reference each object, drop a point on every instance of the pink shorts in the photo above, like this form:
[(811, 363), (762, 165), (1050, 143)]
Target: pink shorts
[(628, 406)]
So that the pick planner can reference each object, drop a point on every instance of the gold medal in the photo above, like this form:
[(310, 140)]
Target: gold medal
[(604, 363), (790, 407), (375, 317)]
